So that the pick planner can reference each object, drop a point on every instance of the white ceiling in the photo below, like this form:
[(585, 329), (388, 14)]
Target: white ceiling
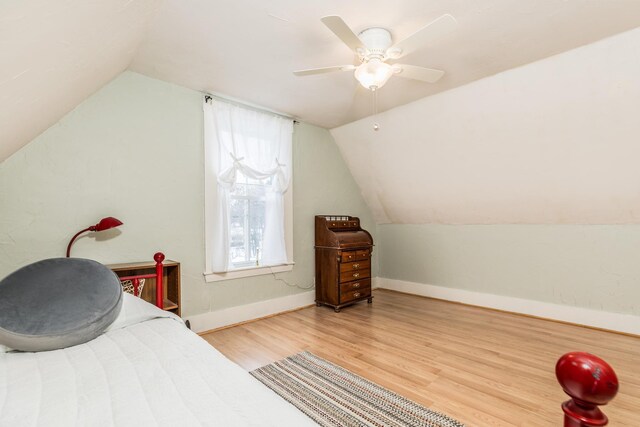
[(248, 48), (56, 53)]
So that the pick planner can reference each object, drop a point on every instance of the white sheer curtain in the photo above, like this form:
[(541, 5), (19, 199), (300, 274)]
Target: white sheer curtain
[(257, 145)]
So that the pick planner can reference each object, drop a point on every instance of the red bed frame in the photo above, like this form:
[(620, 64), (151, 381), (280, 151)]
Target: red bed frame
[(588, 380), (158, 258)]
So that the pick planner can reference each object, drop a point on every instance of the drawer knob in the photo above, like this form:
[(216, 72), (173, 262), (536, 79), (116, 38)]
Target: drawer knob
[(356, 285), (356, 265), (356, 294), (356, 274)]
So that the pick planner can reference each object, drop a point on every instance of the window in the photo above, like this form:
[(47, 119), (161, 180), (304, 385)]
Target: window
[(246, 221), (248, 218)]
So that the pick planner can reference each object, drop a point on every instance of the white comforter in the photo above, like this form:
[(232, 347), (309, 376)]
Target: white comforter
[(147, 369)]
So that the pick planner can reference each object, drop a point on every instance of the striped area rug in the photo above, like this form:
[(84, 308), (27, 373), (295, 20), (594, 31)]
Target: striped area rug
[(332, 396)]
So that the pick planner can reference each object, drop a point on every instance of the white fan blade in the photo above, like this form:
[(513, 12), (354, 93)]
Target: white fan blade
[(324, 70), (344, 33), (438, 28), (418, 73)]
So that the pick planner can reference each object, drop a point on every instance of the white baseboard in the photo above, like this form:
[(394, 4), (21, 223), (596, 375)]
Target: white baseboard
[(626, 323), (230, 316), (375, 282)]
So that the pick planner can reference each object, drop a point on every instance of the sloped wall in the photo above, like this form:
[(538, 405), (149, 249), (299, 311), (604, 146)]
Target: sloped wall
[(524, 184), (55, 54), (134, 150), (552, 142)]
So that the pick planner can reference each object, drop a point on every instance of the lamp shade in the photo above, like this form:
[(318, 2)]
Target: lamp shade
[(373, 74), (107, 223), (104, 224)]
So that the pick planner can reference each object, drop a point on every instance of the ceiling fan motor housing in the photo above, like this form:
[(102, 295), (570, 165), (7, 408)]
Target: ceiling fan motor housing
[(377, 40)]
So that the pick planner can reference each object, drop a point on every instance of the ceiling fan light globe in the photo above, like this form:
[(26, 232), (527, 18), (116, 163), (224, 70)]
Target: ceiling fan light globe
[(373, 74)]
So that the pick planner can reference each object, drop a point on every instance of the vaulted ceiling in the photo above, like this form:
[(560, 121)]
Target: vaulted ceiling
[(55, 53), (551, 142)]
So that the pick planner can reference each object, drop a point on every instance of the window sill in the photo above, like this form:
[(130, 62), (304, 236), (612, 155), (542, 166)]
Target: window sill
[(247, 272)]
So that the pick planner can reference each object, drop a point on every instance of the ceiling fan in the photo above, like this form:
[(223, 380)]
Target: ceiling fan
[(374, 48)]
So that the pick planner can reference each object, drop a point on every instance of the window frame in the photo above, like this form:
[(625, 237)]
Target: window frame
[(259, 270)]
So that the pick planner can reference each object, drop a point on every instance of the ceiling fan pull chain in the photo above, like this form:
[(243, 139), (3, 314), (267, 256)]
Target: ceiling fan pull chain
[(376, 126)]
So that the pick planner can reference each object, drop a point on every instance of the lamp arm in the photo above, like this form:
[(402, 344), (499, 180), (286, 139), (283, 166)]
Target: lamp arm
[(75, 237)]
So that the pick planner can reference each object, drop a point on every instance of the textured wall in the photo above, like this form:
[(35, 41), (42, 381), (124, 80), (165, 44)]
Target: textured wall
[(589, 266), (134, 150)]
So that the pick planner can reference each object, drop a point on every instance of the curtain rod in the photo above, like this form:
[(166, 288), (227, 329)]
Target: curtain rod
[(208, 96)]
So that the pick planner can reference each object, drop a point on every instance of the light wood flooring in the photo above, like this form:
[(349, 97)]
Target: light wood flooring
[(483, 367)]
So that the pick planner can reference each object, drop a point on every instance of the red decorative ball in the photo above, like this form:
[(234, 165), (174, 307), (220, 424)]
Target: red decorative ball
[(587, 378), (158, 257)]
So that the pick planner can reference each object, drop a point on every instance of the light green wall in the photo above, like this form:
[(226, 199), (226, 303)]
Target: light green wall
[(134, 150), (590, 266)]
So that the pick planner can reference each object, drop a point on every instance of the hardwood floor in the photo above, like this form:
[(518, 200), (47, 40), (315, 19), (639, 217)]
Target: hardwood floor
[(483, 367)]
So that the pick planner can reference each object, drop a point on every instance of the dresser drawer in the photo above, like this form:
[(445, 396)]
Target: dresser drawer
[(354, 286), (358, 265), (349, 276), (354, 295), (360, 255)]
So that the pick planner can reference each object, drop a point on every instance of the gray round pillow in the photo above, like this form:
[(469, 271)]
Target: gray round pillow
[(57, 303)]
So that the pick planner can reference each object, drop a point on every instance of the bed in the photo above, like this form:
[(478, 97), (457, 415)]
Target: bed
[(146, 369)]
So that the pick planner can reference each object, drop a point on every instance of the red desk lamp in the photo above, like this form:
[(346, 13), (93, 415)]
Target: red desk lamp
[(104, 224)]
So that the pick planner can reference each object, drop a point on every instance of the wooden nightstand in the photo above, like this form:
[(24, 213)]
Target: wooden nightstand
[(170, 285)]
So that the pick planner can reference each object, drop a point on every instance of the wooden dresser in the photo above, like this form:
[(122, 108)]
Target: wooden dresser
[(343, 261)]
